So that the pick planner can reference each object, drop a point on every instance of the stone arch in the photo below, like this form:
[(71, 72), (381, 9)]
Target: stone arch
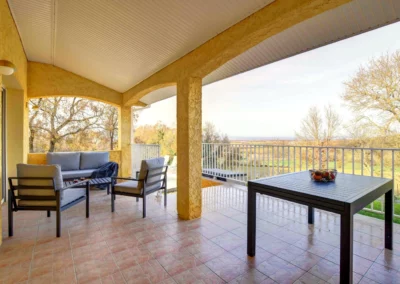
[(45, 80)]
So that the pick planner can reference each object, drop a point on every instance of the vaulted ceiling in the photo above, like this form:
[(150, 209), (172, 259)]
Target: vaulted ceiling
[(120, 43)]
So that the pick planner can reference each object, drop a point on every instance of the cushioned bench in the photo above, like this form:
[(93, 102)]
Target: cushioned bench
[(78, 164)]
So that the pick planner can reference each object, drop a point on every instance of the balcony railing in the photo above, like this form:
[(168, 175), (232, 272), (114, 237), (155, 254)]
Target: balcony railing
[(143, 152), (243, 162)]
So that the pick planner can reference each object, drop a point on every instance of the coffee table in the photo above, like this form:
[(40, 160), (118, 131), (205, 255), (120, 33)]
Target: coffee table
[(346, 196), (94, 182)]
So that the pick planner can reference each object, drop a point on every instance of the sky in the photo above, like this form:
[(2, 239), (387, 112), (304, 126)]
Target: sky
[(270, 101)]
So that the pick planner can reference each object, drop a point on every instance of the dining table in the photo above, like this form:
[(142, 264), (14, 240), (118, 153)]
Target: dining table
[(346, 195)]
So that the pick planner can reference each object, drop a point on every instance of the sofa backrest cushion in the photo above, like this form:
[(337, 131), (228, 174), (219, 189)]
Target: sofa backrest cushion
[(39, 171), (93, 160), (69, 161), (155, 166)]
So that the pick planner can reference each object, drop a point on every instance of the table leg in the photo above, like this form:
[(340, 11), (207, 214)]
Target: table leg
[(310, 215), (346, 248), (251, 222), (108, 189), (389, 219)]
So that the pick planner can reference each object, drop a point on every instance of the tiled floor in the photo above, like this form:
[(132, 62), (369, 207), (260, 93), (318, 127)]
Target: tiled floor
[(124, 248)]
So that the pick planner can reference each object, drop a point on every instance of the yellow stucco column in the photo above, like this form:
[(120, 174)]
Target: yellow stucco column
[(126, 141), (17, 130), (189, 139)]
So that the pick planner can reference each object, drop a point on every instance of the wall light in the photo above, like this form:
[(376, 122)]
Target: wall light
[(6, 67)]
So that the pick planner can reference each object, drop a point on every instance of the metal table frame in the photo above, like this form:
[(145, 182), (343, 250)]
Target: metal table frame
[(346, 209)]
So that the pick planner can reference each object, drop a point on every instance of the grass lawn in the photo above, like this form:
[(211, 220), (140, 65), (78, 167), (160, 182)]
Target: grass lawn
[(378, 206)]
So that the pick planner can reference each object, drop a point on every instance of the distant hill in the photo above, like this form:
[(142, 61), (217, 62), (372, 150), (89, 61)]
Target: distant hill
[(261, 138)]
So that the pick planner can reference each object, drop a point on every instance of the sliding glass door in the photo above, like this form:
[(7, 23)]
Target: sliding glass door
[(3, 182)]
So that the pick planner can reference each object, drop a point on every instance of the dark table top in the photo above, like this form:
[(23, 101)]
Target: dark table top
[(346, 188), (94, 181)]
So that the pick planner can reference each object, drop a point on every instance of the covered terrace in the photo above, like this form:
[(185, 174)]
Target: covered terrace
[(135, 53)]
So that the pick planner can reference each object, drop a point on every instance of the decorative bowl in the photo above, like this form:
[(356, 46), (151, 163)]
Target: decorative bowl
[(323, 175)]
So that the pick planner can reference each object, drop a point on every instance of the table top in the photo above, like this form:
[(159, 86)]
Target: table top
[(93, 181), (346, 188)]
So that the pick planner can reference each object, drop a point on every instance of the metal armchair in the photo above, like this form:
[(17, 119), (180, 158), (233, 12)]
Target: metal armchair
[(152, 177), (41, 188)]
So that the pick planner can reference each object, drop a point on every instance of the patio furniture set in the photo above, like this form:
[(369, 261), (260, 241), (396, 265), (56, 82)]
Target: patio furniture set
[(50, 188), (65, 181)]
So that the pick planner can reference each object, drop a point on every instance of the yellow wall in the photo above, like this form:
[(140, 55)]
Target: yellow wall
[(46, 80), (11, 49), (10, 44)]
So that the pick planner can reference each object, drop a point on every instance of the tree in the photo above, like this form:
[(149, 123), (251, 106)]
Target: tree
[(373, 93), (35, 106), (61, 117), (211, 135), (318, 129), (160, 134), (109, 123)]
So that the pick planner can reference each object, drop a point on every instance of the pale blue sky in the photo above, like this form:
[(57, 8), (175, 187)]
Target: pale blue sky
[(271, 100)]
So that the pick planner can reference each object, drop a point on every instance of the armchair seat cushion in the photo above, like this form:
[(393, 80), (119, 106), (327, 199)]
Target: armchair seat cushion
[(128, 187), (70, 195)]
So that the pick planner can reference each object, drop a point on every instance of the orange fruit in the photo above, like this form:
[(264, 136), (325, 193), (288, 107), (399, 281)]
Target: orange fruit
[(317, 177)]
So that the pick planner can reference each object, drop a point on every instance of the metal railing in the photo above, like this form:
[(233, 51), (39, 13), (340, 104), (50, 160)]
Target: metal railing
[(143, 152), (243, 162)]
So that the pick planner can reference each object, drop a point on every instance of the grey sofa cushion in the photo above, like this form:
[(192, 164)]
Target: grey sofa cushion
[(93, 160), (69, 161), (44, 171), (70, 195), (149, 165), (77, 174), (128, 187)]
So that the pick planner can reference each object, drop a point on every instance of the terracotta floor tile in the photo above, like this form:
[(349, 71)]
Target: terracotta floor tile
[(280, 270), (64, 276), (290, 253), (227, 266), (253, 276), (306, 260), (241, 253), (116, 278), (45, 278), (389, 259), (178, 262), (228, 241), (125, 248), (271, 244), (308, 278), (200, 274), (335, 279), (383, 274), (324, 269)]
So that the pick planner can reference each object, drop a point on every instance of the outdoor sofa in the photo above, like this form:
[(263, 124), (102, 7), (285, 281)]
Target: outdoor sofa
[(78, 164)]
